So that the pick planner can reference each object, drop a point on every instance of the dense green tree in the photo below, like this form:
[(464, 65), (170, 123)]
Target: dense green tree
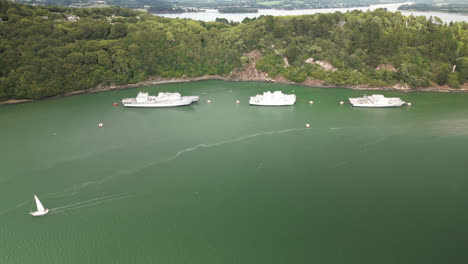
[(462, 65), (292, 52), (42, 54), (441, 73), (453, 80)]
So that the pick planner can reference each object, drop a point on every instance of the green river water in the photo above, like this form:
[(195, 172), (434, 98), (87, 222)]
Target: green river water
[(222, 182)]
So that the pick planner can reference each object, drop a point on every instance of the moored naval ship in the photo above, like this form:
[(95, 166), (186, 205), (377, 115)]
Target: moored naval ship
[(162, 100), (276, 98), (376, 100)]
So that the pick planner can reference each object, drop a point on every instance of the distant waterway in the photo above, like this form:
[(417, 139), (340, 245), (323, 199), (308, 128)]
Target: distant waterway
[(212, 14), (226, 182)]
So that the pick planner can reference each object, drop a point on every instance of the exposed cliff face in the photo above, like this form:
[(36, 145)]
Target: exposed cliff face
[(326, 65), (386, 67), (250, 72)]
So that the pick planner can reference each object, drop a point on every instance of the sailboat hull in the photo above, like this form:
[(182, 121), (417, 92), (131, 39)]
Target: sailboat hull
[(40, 213)]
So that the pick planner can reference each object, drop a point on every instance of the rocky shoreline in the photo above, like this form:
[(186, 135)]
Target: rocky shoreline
[(257, 77), (248, 73)]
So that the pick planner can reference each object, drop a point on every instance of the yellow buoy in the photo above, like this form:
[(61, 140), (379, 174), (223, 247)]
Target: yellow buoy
[(237, 101), (311, 102), (208, 101), (307, 125), (341, 103), (409, 104)]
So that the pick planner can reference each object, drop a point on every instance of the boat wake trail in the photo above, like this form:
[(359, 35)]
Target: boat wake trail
[(77, 188), (90, 202), (229, 142)]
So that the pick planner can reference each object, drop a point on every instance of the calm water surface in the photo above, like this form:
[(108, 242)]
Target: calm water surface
[(212, 14), (232, 183)]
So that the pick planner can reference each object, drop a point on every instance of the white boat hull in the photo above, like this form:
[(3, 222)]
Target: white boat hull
[(162, 100), (376, 101), (39, 213), (277, 98), (376, 105), (193, 98), (282, 103), (158, 104)]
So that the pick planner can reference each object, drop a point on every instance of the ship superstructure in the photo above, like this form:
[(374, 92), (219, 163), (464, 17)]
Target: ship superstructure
[(276, 98), (161, 100), (376, 100)]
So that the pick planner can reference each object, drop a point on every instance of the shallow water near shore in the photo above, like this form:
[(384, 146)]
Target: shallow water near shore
[(222, 182)]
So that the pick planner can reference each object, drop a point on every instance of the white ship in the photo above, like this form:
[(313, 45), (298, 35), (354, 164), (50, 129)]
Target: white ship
[(276, 98), (376, 100), (162, 100)]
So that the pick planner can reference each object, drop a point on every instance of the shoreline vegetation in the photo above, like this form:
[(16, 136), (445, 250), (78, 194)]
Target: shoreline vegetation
[(307, 83), (48, 51), (235, 9), (172, 10), (447, 8)]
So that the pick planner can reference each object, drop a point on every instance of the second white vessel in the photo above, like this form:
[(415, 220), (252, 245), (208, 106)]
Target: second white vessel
[(276, 98), (162, 100), (376, 100)]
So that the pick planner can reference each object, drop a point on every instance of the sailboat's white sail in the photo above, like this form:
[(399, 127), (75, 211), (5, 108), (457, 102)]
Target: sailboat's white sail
[(39, 205), (40, 208)]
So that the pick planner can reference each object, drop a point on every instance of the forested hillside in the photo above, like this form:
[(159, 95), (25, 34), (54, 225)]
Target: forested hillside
[(44, 53)]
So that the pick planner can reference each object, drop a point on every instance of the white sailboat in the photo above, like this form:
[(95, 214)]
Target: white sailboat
[(40, 208)]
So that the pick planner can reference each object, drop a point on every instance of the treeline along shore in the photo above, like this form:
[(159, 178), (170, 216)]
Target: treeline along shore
[(49, 51), (450, 8)]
